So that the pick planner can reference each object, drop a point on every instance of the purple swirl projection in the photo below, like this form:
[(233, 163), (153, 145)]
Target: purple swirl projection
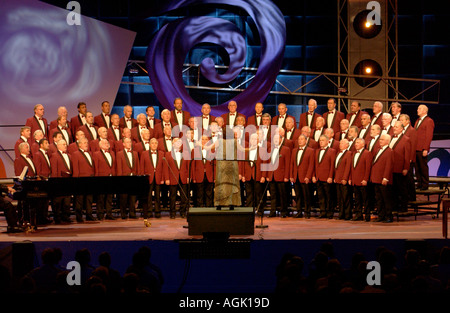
[(168, 49)]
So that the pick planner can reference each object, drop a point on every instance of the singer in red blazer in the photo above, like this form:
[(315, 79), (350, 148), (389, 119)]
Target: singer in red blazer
[(361, 171), (281, 172), (203, 171), (43, 168), (174, 120), (425, 132), (381, 176), (20, 162), (276, 117), (124, 168), (58, 129), (226, 118), (336, 121), (323, 176), (101, 165), (382, 167), (402, 161), (123, 124), (81, 165), (324, 169), (156, 179), (177, 177), (402, 154), (306, 167), (304, 120), (99, 121), (34, 124), (341, 178), (357, 120), (359, 178), (88, 133), (59, 166)]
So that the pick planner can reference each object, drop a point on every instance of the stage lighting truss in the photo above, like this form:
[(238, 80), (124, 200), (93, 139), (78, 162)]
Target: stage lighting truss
[(304, 83)]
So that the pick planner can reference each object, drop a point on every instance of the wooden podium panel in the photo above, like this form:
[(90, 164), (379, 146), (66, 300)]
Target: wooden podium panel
[(239, 221)]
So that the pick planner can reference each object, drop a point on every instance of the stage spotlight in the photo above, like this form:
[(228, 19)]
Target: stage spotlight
[(369, 68), (365, 28)]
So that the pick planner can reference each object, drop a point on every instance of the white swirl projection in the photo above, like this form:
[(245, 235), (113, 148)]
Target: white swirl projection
[(45, 60)]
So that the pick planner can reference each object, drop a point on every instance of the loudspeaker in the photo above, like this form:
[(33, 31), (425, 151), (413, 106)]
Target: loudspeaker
[(367, 50), (239, 221), (23, 258)]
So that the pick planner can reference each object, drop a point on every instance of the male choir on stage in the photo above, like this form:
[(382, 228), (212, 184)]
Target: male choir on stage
[(351, 164)]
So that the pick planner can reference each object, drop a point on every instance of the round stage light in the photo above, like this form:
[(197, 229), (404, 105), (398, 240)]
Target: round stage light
[(370, 69), (365, 28)]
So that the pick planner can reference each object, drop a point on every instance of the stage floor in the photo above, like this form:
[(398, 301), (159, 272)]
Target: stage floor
[(425, 227)]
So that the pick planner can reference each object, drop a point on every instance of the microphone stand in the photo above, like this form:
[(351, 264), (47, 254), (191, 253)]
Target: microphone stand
[(260, 201)]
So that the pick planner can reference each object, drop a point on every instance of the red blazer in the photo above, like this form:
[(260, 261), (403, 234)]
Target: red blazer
[(276, 117), (200, 121), (339, 135), (43, 168), (54, 123), (122, 123), (293, 135), (376, 145), (155, 121), (136, 134), (305, 168), (424, 134), (252, 120), (70, 149), (361, 171), (324, 169), (34, 147), (247, 169), (226, 118), (20, 162), (412, 134), (94, 145), (88, 133), (202, 167), (59, 166), (402, 154), (100, 121), (357, 120), (53, 149), (382, 167), (334, 144), (139, 147), (174, 120), (377, 120), (123, 165), (101, 165), (311, 143), (158, 131), (281, 172), (162, 144), (35, 125), (112, 134), (338, 116), (366, 134), (75, 123), (16, 146), (81, 165), (146, 166), (314, 131), (175, 174), (57, 128), (304, 120), (343, 166)]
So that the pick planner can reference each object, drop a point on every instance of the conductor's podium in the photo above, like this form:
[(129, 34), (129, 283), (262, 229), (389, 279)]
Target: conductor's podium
[(239, 221)]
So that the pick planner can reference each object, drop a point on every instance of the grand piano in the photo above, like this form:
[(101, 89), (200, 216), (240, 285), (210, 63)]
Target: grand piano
[(30, 188)]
